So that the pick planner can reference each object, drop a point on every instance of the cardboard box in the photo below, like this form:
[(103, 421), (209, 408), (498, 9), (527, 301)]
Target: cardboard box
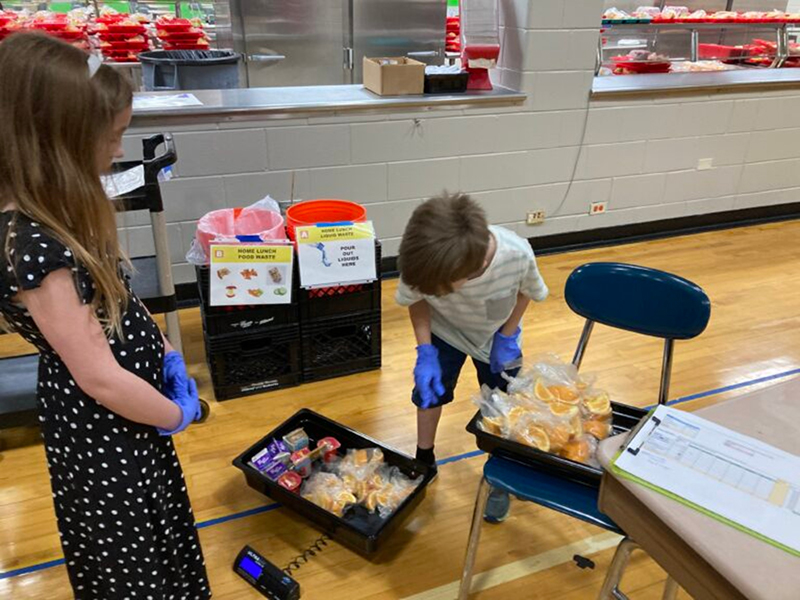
[(394, 76)]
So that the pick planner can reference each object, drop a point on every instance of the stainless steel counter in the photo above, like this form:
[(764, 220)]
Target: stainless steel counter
[(296, 102), (716, 82)]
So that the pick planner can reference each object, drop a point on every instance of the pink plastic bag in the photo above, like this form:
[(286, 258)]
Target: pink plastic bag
[(262, 219)]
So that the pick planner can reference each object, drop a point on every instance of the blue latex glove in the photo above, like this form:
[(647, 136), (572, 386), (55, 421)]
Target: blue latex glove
[(184, 394), (428, 375), (506, 352), (174, 371)]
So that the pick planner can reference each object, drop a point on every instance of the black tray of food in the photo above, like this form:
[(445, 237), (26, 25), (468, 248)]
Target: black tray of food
[(624, 418), (358, 529)]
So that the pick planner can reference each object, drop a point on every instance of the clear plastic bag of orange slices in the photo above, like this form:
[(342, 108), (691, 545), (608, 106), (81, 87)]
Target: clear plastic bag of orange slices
[(549, 406)]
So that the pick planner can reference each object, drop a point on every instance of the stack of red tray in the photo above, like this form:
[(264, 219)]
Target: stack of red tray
[(59, 26), (453, 35), (122, 37), (181, 34), (9, 23)]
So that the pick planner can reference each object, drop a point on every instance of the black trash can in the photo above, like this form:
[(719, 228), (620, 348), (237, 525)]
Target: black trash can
[(167, 70)]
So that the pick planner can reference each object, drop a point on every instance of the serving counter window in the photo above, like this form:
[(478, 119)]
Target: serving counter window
[(705, 36)]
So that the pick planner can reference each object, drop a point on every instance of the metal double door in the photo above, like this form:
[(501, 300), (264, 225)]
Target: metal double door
[(323, 42)]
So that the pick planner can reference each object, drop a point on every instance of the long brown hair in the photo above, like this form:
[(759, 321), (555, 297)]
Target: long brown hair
[(54, 119)]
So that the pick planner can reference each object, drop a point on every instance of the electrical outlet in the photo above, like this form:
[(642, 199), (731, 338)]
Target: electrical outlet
[(704, 164), (597, 208), (535, 217)]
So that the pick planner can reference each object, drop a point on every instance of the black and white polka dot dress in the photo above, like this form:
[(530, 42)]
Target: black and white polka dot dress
[(124, 517)]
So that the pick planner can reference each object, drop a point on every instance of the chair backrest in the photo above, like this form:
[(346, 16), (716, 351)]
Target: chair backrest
[(638, 299)]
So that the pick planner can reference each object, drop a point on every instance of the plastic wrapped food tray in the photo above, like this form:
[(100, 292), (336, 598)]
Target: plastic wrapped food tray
[(624, 419), (358, 529)]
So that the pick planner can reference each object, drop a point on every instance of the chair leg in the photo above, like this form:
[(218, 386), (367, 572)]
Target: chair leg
[(577, 359), (474, 537), (610, 589), (666, 371), (671, 588)]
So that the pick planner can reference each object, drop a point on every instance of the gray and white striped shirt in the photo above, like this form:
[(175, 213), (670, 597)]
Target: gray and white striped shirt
[(468, 318)]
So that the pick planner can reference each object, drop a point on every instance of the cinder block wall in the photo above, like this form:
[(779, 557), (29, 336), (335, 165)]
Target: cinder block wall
[(641, 156)]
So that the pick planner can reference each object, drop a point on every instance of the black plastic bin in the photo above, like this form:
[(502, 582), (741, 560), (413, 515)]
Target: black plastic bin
[(246, 364), (341, 346), (337, 301), (359, 530), (223, 320), (446, 83), (624, 419)]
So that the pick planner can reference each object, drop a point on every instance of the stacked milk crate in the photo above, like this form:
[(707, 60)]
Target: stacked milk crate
[(341, 328), (250, 349)]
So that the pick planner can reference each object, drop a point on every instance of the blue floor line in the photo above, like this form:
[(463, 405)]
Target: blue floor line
[(31, 569), (450, 459), (729, 388)]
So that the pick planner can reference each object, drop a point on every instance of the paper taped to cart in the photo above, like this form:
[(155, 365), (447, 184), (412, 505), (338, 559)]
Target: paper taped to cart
[(332, 254), (124, 182)]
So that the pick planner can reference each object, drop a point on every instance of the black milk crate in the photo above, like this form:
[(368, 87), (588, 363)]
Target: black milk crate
[(223, 320), (341, 346), (358, 530), (624, 418), (336, 301), (252, 363)]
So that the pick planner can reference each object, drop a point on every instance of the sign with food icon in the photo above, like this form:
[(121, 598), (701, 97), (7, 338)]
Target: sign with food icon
[(247, 274), (336, 254)]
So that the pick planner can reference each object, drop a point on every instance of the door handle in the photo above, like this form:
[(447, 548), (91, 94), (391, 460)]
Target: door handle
[(424, 54), (265, 58)]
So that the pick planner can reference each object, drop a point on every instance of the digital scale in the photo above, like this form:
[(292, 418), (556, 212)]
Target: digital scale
[(264, 576)]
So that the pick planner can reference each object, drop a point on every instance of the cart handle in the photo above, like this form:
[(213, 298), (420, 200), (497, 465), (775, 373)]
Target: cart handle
[(154, 164)]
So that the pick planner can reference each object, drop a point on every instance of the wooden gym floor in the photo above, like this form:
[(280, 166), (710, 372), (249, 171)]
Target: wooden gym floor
[(752, 340)]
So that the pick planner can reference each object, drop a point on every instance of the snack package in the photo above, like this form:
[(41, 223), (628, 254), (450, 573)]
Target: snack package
[(550, 407)]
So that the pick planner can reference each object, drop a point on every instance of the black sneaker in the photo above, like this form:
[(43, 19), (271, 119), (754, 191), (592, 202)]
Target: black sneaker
[(428, 458)]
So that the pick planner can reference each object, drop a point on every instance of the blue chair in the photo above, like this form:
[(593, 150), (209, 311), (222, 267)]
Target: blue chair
[(629, 297)]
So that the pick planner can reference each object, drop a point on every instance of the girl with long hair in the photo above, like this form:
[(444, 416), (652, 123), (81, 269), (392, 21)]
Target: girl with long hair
[(109, 399)]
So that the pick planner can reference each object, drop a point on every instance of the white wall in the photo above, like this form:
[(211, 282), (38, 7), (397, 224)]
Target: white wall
[(640, 156)]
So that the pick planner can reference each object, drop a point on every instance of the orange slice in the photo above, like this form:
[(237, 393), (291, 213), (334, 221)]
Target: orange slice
[(598, 405), (599, 429), (493, 425), (577, 450), (535, 436), (562, 409), (541, 391), (559, 436), (515, 414), (565, 394)]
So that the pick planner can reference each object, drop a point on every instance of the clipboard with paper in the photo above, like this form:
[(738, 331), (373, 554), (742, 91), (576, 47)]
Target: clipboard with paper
[(730, 477)]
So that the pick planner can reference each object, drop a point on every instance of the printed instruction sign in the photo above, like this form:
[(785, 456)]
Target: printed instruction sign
[(245, 274), (336, 254)]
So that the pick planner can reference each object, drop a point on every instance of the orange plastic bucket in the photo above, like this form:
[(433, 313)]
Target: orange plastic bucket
[(312, 212)]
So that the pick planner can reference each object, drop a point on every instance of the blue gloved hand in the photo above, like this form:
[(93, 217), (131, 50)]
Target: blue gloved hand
[(428, 375), (505, 352), (184, 394), (174, 372)]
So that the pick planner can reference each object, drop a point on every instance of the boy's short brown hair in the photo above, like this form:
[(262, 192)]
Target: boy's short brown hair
[(446, 240)]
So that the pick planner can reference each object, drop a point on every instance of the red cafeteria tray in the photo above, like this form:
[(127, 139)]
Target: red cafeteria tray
[(129, 29), (178, 36), (174, 25), (711, 51)]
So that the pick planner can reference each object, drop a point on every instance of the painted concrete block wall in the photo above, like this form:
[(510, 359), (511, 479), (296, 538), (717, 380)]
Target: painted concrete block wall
[(558, 152)]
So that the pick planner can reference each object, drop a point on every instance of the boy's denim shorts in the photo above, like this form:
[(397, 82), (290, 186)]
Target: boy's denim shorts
[(451, 360)]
